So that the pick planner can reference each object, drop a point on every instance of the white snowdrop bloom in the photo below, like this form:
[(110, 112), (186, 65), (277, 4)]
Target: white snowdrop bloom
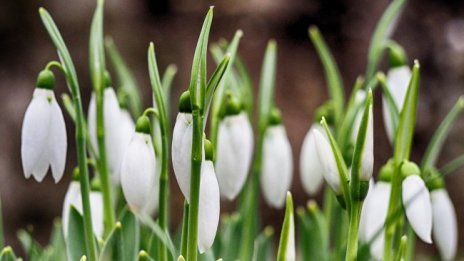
[(277, 166), (43, 136), (127, 127), (375, 216), (209, 207), (73, 197), (418, 208), (397, 82), (327, 158), (139, 178), (112, 122), (182, 151), (311, 168), (445, 228), (364, 212), (367, 161), (234, 152)]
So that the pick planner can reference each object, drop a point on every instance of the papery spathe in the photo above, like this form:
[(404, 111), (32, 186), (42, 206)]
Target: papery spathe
[(234, 152), (327, 158), (311, 168), (139, 178), (367, 161), (444, 227), (277, 166), (418, 208), (209, 207), (43, 137), (182, 151)]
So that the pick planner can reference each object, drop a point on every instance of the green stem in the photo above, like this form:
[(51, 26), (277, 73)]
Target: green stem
[(393, 207), (108, 214), (71, 79), (184, 239), (195, 184), (352, 245)]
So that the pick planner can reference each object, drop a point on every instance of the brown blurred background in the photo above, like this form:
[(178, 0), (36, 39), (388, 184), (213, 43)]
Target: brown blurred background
[(430, 30)]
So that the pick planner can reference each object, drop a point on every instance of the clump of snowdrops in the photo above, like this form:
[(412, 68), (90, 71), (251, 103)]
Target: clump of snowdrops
[(116, 207)]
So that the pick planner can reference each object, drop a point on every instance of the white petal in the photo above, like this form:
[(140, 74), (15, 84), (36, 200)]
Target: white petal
[(376, 214), (182, 152), (311, 168), (234, 154), (127, 130), (397, 83), (96, 207), (445, 228), (138, 171), (416, 201), (277, 166), (327, 158), (367, 163), (364, 213), (34, 135), (209, 208), (72, 198), (113, 132), (92, 122), (359, 100), (57, 142)]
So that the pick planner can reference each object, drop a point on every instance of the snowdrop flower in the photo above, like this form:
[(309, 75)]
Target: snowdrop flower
[(311, 168), (182, 151), (139, 178), (234, 153), (43, 136), (113, 131), (277, 164), (375, 215), (416, 201), (327, 158), (209, 208), (73, 198), (445, 230), (397, 82)]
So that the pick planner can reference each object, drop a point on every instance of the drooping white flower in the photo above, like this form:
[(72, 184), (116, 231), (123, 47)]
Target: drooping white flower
[(182, 152), (209, 207), (445, 228), (73, 197), (112, 122), (234, 152), (127, 127), (364, 212), (327, 158), (367, 161), (139, 178), (277, 166), (311, 168), (376, 210), (397, 82), (43, 137), (418, 208)]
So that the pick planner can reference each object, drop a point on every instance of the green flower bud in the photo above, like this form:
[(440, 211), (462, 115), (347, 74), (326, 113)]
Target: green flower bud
[(363, 189), (185, 104), (96, 184), (143, 125), (386, 172), (46, 80), (325, 110), (108, 82), (396, 55), (76, 174), (275, 117), (231, 106), (409, 168), (209, 151), (434, 180)]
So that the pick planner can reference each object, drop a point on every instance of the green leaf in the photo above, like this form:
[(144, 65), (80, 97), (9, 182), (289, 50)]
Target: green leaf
[(435, 145), (287, 236), (245, 78), (164, 237), (380, 37), (7, 254), (96, 49), (69, 106), (332, 73), (263, 245), (314, 237), (130, 234), (143, 256), (57, 245), (166, 82), (32, 249), (391, 104), (215, 81), (453, 166), (405, 131), (75, 242), (197, 85), (341, 165), (267, 85), (113, 249), (126, 79), (229, 236)]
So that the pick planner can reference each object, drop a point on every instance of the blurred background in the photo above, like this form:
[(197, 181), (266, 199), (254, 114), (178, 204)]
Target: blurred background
[(431, 31)]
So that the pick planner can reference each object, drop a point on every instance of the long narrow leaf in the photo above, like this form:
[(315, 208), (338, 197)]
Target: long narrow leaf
[(391, 104), (7, 254), (435, 145), (287, 236), (75, 242), (332, 73), (215, 81), (262, 248), (96, 49), (267, 85), (113, 249), (160, 234), (166, 82), (130, 234)]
